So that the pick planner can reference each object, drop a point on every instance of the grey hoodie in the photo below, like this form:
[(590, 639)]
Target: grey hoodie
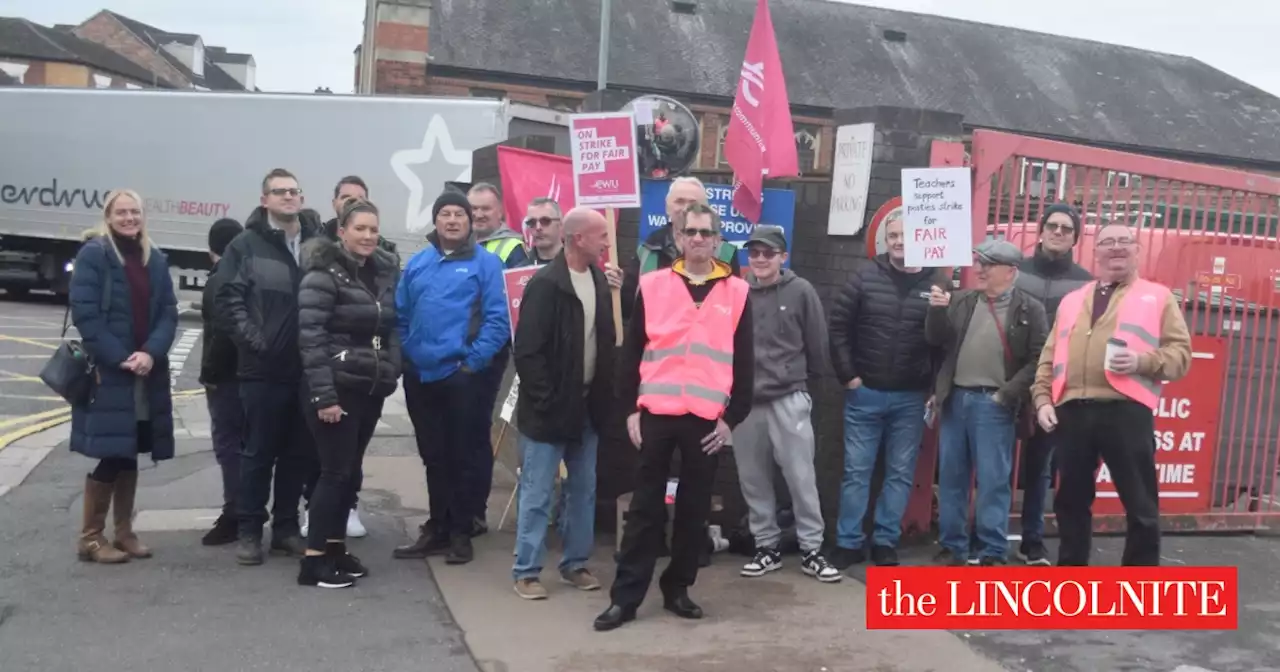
[(790, 336)]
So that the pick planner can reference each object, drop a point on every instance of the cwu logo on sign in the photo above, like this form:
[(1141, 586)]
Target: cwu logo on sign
[(779, 210)]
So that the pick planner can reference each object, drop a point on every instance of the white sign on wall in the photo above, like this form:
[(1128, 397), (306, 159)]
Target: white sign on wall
[(851, 176), (937, 224)]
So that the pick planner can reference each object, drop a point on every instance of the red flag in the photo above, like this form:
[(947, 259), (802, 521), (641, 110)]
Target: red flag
[(527, 175), (760, 139)]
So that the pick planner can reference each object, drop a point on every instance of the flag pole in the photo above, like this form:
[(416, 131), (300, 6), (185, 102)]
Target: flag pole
[(602, 65)]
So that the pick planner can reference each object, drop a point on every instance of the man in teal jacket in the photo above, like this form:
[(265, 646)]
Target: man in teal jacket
[(452, 313)]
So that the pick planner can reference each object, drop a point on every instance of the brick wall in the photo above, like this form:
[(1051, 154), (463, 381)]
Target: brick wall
[(112, 34), (399, 77), (400, 36)]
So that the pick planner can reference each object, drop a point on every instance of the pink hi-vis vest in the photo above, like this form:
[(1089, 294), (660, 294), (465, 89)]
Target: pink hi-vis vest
[(1137, 323), (687, 367)]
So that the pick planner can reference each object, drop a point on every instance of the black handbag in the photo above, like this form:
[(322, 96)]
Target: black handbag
[(69, 372)]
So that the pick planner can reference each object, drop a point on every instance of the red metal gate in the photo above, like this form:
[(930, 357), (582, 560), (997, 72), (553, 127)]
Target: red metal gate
[(1209, 234)]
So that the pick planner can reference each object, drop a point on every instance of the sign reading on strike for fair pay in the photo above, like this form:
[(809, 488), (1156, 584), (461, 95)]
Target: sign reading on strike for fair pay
[(936, 222), (605, 173), (1186, 426)]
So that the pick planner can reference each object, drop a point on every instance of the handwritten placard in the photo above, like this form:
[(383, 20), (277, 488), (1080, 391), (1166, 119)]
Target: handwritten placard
[(936, 220)]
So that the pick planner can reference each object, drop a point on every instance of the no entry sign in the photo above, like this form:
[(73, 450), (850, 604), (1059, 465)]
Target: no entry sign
[(1186, 422), (605, 173)]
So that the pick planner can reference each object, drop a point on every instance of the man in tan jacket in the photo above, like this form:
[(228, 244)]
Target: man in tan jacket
[(1113, 343)]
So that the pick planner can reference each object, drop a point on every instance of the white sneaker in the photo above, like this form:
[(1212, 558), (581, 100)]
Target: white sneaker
[(302, 520), (766, 560), (355, 528)]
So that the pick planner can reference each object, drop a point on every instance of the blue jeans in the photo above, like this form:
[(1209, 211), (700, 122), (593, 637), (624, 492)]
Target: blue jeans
[(870, 418), (1038, 456), (977, 436), (540, 462)]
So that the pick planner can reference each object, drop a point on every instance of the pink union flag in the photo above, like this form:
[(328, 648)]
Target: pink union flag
[(760, 140)]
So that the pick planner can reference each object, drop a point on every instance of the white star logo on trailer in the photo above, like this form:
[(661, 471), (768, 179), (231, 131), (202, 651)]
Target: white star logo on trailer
[(418, 209)]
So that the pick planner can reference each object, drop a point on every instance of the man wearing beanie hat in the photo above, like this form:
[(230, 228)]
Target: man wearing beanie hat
[(1048, 274), (222, 393), (451, 309)]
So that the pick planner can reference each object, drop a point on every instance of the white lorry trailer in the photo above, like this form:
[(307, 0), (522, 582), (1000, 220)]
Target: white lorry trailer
[(196, 157)]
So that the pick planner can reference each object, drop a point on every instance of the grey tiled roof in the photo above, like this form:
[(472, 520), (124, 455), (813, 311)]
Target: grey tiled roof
[(20, 38), (836, 55), (214, 78)]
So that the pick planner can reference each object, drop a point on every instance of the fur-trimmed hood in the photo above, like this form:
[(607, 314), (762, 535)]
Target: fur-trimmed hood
[(321, 253)]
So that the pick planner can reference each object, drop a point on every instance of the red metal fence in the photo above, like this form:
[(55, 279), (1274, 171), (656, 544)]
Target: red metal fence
[(1209, 234)]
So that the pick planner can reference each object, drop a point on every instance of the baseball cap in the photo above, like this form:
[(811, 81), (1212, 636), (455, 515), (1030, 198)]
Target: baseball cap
[(768, 235)]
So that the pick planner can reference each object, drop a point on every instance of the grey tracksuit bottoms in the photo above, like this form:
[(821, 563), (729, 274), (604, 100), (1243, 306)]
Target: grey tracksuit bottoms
[(779, 431)]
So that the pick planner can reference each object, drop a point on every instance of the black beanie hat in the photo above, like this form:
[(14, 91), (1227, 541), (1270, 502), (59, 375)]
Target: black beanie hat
[(222, 233), (451, 197), (1066, 209)]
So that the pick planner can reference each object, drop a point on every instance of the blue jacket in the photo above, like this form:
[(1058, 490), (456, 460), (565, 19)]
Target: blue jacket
[(108, 425), (451, 311)]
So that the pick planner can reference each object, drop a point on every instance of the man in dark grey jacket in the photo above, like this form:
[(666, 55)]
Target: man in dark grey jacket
[(790, 347), (1048, 274)]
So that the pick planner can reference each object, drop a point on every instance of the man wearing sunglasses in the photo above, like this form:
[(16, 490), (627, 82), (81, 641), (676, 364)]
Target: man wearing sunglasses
[(1048, 274), (992, 336), (257, 298), (663, 246), (790, 348), (686, 378)]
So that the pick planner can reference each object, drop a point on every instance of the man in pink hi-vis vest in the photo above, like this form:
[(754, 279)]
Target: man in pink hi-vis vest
[(1113, 344)]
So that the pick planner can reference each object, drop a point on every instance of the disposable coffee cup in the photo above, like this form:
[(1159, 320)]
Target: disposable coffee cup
[(1115, 346)]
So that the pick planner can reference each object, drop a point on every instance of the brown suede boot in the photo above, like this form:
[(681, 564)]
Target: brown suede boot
[(93, 546), (122, 509)]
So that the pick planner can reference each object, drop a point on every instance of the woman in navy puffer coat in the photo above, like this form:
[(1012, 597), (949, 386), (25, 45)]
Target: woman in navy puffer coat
[(130, 410)]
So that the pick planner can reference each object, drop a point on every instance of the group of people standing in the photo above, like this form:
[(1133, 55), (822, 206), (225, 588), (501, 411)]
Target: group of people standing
[(310, 326), (999, 363)]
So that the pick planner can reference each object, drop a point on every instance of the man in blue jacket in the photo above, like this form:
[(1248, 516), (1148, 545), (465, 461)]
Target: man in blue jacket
[(452, 312)]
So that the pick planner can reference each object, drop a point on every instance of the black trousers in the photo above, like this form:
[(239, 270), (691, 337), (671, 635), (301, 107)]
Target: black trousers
[(1121, 433), (277, 446), (226, 419), (341, 448), (451, 426), (642, 535)]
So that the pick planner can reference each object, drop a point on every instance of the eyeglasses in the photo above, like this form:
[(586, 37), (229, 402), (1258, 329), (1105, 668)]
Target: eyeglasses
[(757, 252), (282, 192), (1115, 242), (1054, 227), (543, 222), (703, 233)]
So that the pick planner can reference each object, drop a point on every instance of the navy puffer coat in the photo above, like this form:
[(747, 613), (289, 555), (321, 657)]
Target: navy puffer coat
[(107, 427)]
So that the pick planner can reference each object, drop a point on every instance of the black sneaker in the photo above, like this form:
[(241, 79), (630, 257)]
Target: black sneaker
[(249, 551), (288, 543), (884, 556), (992, 561), (321, 571), (766, 560), (224, 532), (460, 551), (1034, 555), (344, 562), (817, 566), (948, 559), (843, 558)]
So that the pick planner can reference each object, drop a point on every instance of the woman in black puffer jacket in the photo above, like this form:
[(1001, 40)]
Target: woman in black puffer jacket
[(351, 357)]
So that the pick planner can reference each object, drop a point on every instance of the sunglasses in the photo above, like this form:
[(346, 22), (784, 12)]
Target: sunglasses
[(766, 252), (699, 233), (543, 222), (282, 192), (1054, 227)]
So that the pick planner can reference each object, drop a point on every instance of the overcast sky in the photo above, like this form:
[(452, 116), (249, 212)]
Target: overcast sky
[(302, 44)]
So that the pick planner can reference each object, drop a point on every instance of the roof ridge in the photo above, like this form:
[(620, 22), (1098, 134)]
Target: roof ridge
[(1029, 31), (38, 30)]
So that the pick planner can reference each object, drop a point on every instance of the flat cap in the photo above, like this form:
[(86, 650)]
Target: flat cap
[(998, 252)]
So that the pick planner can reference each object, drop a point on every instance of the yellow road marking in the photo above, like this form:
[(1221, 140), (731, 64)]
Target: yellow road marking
[(29, 341), (33, 320), (29, 397), (9, 438), (35, 416)]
